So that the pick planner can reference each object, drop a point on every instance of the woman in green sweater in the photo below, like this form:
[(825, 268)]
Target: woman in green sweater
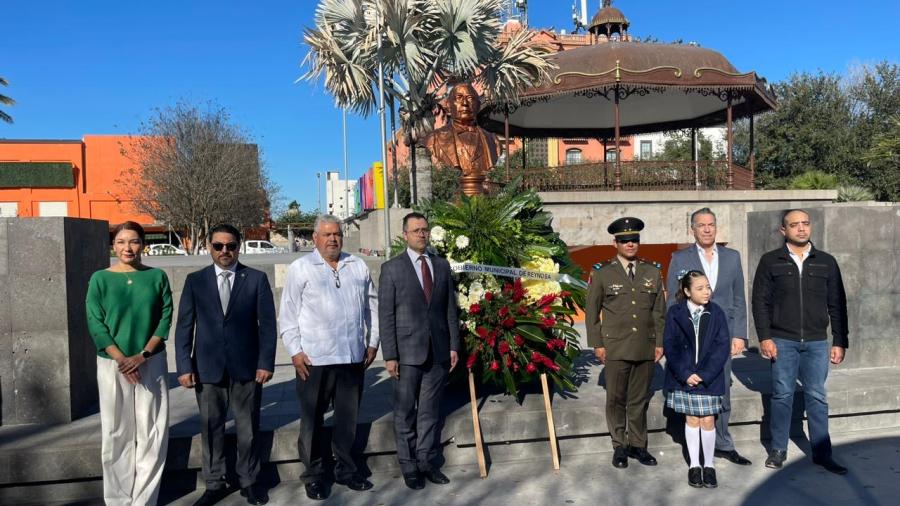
[(129, 311)]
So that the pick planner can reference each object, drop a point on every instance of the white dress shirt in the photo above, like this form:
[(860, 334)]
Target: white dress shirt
[(219, 276), (331, 325), (798, 259), (418, 265), (711, 269)]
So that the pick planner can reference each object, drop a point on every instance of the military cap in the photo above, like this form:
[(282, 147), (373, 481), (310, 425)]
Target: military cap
[(625, 229)]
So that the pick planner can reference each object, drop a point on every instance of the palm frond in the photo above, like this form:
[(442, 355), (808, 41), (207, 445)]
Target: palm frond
[(516, 65)]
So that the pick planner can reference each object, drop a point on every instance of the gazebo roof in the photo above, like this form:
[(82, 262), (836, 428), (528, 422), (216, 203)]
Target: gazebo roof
[(661, 87)]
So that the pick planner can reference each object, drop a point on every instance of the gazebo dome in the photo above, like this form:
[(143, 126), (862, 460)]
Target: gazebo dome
[(608, 20)]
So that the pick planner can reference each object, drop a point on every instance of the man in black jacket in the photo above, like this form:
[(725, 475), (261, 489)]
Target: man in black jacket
[(797, 292)]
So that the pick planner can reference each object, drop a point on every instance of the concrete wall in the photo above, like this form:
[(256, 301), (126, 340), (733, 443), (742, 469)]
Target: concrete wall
[(47, 358), (865, 240)]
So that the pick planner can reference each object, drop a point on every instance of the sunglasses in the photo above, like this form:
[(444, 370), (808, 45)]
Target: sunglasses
[(626, 241), (231, 246)]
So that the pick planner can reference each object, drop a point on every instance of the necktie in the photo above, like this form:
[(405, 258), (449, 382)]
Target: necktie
[(427, 283), (631, 271), (225, 290)]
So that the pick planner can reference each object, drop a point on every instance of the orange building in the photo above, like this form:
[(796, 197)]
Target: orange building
[(76, 178)]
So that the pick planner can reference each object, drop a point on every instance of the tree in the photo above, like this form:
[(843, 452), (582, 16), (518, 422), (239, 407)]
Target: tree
[(678, 147), (194, 169), (293, 215), (426, 46), (883, 163), (6, 118)]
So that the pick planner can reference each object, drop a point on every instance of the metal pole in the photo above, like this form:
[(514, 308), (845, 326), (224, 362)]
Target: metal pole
[(346, 167), (506, 138), (752, 157), (618, 185), (395, 170), (387, 209), (729, 180), (319, 192), (695, 156)]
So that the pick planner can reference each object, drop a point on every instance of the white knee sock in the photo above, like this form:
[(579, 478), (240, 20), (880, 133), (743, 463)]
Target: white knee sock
[(708, 439), (692, 438)]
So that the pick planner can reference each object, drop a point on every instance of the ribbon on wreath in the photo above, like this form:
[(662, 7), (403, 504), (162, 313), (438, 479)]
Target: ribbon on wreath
[(516, 272)]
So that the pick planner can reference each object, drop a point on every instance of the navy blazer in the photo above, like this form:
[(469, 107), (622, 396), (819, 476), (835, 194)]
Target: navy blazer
[(679, 347), (729, 292), (210, 343)]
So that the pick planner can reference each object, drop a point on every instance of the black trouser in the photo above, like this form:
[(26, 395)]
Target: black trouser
[(627, 396), (340, 384), (417, 403), (214, 400)]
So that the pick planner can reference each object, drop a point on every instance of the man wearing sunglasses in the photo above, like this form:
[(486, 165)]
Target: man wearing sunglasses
[(625, 315), (329, 325), (225, 350)]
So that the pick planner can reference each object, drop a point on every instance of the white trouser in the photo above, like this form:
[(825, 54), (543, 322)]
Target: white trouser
[(135, 424)]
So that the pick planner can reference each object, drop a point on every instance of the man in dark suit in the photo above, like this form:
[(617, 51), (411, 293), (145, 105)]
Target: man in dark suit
[(225, 349), (722, 267), (419, 330)]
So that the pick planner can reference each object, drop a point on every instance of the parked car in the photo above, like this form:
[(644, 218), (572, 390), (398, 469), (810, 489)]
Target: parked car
[(254, 247), (164, 249)]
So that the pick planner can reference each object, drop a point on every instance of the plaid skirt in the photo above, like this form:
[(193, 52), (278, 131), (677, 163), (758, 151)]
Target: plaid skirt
[(693, 404)]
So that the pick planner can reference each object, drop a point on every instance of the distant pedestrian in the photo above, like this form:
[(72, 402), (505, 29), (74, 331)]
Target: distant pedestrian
[(129, 312), (797, 292), (697, 344), (329, 325), (225, 347)]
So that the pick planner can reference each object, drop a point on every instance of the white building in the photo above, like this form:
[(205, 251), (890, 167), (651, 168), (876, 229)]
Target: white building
[(336, 190)]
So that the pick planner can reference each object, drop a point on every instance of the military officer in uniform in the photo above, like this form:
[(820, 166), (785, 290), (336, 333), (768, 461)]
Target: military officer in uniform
[(624, 317)]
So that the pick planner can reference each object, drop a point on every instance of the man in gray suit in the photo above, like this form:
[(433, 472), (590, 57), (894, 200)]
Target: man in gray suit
[(726, 277), (419, 330)]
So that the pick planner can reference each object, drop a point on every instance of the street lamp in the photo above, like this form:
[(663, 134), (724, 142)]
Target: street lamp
[(387, 208)]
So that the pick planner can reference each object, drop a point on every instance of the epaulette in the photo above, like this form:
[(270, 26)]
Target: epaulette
[(655, 264)]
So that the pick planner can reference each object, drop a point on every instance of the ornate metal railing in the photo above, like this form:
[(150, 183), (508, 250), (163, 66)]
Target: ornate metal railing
[(636, 175)]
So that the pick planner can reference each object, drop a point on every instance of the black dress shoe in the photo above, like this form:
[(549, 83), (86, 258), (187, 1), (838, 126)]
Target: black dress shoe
[(776, 459), (642, 456), (436, 477), (355, 483), (620, 458), (316, 491), (414, 481), (211, 497), (830, 465), (255, 495), (709, 478), (695, 477), (733, 456)]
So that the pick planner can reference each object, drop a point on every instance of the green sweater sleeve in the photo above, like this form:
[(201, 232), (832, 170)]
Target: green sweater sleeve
[(96, 315), (165, 320)]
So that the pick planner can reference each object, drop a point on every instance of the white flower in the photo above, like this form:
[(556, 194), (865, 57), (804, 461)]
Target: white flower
[(462, 300), (476, 292), (438, 233), (461, 242)]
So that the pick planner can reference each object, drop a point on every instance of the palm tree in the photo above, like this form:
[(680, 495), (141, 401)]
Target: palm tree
[(426, 45), (5, 101)]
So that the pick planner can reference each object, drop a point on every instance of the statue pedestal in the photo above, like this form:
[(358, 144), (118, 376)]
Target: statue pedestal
[(472, 185)]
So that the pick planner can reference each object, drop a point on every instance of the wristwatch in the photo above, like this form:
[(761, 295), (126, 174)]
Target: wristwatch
[(146, 354)]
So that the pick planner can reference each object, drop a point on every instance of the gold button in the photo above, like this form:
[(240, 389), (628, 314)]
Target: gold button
[(634, 329), (634, 316), (633, 302), (632, 289)]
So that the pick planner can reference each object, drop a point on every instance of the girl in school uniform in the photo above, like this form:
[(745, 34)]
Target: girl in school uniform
[(696, 343)]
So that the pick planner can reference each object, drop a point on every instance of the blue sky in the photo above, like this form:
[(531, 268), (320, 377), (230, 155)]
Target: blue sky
[(100, 67)]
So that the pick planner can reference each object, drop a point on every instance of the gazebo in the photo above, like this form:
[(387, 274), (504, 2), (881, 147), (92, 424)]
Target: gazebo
[(616, 87)]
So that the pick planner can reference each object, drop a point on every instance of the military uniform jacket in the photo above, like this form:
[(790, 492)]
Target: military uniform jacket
[(626, 317)]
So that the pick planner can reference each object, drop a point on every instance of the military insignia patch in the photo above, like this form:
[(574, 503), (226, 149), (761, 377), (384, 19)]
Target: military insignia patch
[(648, 283), (615, 288)]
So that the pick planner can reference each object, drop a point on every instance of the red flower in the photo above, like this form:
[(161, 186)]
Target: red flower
[(536, 356), (474, 309), (519, 340), (547, 310), (504, 312), (548, 322), (470, 362), (509, 323), (482, 332), (522, 310), (507, 288), (530, 368), (565, 293), (488, 296), (491, 340), (504, 347), (495, 366), (546, 299), (509, 361), (515, 367), (550, 344)]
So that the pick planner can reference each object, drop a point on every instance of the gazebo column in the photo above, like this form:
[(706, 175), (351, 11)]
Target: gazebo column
[(729, 180), (618, 185), (605, 165), (695, 157), (752, 157), (506, 139)]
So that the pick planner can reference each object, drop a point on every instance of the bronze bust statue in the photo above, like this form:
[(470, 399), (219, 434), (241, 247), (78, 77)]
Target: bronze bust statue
[(462, 143)]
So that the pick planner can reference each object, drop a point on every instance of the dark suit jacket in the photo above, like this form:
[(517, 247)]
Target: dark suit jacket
[(729, 292), (679, 347), (238, 342), (407, 324)]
